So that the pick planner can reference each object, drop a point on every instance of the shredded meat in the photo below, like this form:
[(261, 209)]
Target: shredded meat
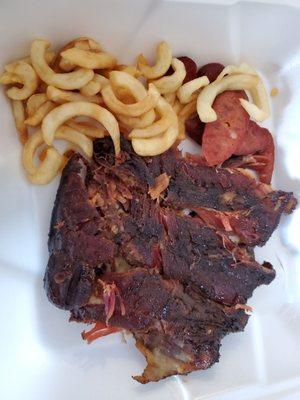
[(161, 184)]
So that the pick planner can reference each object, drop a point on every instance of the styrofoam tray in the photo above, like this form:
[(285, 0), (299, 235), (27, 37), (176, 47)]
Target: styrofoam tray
[(41, 355)]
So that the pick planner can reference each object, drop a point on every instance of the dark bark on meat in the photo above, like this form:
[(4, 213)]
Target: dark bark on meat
[(253, 209), (195, 255), (167, 318), (177, 282)]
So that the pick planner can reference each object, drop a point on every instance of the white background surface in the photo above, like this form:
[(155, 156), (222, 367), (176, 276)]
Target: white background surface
[(41, 354)]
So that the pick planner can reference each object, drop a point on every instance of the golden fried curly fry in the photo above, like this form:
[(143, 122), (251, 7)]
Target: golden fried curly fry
[(34, 102), (188, 91), (51, 164), (69, 81), (142, 121), (66, 111), (162, 64), (7, 78), (209, 93), (87, 128), (29, 79), (158, 127), (91, 88), (89, 59), (169, 84), (130, 69), (60, 96), (19, 117), (83, 43), (48, 168), (131, 110), (121, 79), (170, 98), (160, 143), (40, 114), (259, 108), (49, 56)]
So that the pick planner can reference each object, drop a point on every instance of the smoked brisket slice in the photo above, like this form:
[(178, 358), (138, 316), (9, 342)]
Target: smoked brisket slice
[(180, 268), (195, 254), (251, 209), (168, 320)]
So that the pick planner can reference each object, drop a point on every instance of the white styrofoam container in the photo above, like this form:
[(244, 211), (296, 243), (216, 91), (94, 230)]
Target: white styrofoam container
[(41, 355)]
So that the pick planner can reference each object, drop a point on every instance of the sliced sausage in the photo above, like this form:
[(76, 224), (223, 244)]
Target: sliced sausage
[(222, 137), (195, 128), (211, 70)]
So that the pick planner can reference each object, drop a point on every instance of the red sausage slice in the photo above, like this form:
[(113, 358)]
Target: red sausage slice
[(259, 142), (195, 128), (211, 70), (222, 137), (190, 67), (256, 140)]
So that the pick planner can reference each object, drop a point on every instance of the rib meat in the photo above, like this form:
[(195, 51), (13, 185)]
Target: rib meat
[(175, 269)]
